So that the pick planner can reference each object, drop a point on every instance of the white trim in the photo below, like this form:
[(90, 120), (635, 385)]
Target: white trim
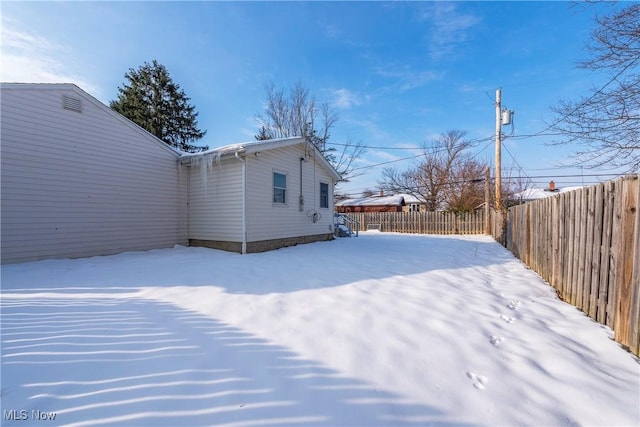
[(244, 203), (286, 188)]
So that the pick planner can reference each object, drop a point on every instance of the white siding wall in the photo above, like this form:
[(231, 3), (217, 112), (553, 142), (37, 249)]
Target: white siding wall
[(266, 220), (82, 184), (215, 208)]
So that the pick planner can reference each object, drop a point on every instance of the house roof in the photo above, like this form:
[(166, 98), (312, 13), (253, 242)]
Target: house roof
[(539, 193), (394, 200), (89, 98), (185, 158), (252, 147)]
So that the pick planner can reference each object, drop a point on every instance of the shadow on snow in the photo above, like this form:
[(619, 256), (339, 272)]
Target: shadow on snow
[(127, 361)]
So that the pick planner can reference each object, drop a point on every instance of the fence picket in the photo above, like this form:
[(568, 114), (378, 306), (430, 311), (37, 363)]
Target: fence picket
[(588, 256), (625, 330), (596, 248), (605, 254)]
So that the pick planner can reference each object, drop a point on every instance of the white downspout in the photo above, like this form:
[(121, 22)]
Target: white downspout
[(244, 202)]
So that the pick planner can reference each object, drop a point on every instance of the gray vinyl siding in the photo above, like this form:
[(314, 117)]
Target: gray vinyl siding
[(266, 220), (215, 208), (83, 184)]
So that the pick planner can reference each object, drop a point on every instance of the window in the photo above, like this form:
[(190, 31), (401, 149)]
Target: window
[(279, 188), (324, 195)]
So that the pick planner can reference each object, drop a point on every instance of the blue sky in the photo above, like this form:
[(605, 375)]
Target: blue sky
[(398, 74)]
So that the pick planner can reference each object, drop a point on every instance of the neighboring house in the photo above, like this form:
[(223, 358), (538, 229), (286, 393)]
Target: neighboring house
[(531, 194), (79, 179), (413, 204), (380, 203)]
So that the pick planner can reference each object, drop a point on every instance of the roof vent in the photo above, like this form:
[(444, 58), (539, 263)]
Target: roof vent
[(72, 104)]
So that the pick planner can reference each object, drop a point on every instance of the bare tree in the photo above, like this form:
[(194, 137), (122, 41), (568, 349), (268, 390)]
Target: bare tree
[(465, 191), (297, 113), (607, 122), (446, 177)]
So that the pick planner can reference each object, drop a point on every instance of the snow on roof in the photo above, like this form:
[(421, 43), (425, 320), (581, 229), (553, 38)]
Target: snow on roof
[(539, 193), (249, 147), (393, 200)]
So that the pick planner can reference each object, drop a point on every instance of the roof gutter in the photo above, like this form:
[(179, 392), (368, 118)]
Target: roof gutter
[(189, 160)]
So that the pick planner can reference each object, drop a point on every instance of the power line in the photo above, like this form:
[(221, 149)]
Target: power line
[(534, 179), (386, 163), (376, 148), (566, 176), (472, 142), (431, 150), (516, 162), (583, 103)]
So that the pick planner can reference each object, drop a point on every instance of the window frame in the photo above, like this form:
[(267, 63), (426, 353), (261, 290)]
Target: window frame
[(327, 196), (274, 188)]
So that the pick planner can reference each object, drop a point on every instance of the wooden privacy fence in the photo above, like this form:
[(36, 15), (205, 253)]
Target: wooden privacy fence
[(421, 222), (586, 244)]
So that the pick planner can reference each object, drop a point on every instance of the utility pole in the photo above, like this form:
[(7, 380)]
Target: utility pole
[(487, 199), (498, 150)]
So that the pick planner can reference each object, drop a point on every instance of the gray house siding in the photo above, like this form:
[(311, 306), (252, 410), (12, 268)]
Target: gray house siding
[(267, 220), (215, 205), (83, 183)]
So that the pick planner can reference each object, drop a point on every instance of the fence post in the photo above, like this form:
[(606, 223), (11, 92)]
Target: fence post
[(635, 278), (627, 304)]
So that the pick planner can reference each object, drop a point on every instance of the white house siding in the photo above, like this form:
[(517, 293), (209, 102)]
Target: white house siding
[(266, 220), (215, 208), (83, 183)]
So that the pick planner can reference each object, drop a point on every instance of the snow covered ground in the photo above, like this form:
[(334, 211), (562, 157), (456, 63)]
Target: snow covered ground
[(383, 329)]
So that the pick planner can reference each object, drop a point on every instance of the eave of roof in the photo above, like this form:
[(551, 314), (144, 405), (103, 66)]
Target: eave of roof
[(245, 148)]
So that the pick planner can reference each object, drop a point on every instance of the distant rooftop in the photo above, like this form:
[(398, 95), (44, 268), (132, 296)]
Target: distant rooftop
[(392, 200)]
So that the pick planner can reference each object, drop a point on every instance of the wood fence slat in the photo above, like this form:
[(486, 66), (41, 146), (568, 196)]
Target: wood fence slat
[(634, 343), (572, 248), (549, 249), (576, 249), (556, 231), (605, 254), (624, 330), (596, 248), (561, 260), (616, 242), (588, 255)]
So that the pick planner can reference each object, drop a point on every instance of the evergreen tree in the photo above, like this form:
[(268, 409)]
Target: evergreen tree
[(152, 100), (263, 135)]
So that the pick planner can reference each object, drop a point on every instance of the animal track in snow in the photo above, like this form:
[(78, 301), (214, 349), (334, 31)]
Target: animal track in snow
[(496, 340), (479, 381), (507, 319), (513, 305)]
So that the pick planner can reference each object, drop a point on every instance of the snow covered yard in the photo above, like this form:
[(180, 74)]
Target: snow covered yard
[(383, 329)]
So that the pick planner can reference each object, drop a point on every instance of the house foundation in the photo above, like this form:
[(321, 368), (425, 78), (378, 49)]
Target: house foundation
[(261, 246)]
